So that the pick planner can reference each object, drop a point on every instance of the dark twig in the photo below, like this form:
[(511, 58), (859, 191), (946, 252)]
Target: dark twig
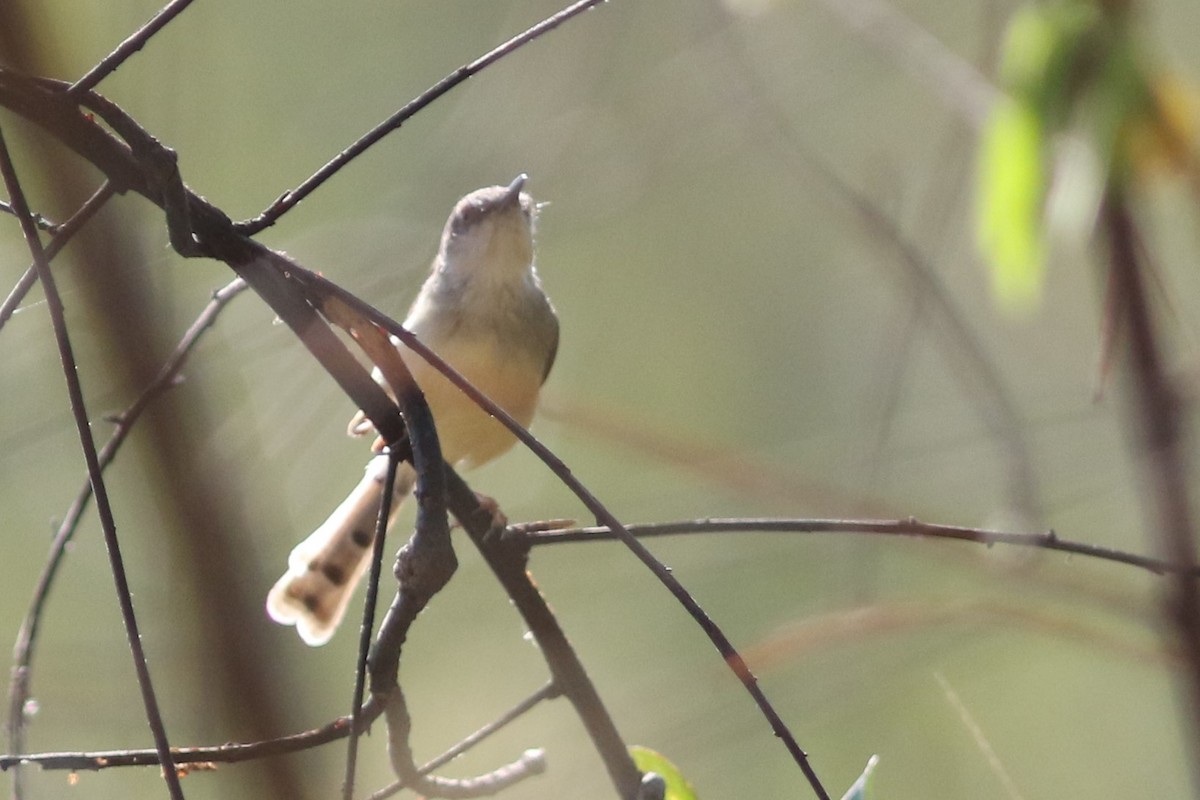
[(127, 48), (63, 234), (88, 444), (528, 764), (222, 753), (41, 222), (242, 752), (293, 196), (508, 560), (897, 527), (23, 650), (1157, 427), (368, 621), (547, 692), (250, 751)]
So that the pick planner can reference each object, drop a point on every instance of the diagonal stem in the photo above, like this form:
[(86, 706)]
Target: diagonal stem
[(292, 197), (1159, 439), (364, 642), (88, 445), (65, 233), (23, 650), (127, 48)]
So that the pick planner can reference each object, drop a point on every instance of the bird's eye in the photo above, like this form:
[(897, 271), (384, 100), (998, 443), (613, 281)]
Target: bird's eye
[(466, 217)]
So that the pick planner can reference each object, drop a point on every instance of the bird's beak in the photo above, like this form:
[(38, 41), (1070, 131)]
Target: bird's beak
[(512, 195)]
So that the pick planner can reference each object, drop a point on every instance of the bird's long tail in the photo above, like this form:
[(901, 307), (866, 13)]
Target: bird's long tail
[(324, 569)]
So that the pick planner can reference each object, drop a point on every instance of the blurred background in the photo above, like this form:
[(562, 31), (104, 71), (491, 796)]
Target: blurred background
[(729, 185)]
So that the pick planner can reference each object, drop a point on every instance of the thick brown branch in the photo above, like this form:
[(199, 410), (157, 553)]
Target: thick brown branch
[(1159, 441), (508, 561)]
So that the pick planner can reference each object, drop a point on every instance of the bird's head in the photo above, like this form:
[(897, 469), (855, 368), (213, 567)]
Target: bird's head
[(490, 232)]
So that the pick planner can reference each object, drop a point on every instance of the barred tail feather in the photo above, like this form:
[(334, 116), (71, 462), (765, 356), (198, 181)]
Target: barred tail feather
[(324, 569)]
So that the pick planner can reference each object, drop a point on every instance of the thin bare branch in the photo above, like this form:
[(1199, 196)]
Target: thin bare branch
[(63, 234), (508, 561), (24, 648), (95, 475), (1158, 439), (528, 764), (222, 753), (910, 527), (547, 692), (250, 751), (289, 199), (41, 222), (368, 622), (127, 48)]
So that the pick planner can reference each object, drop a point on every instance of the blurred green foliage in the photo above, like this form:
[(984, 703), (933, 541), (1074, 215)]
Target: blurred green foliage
[(1083, 112)]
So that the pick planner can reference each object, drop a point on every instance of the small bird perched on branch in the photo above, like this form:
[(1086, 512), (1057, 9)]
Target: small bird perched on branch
[(483, 310)]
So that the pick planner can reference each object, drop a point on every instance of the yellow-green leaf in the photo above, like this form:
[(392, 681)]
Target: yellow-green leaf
[(1011, 192), (648, 760), (1042, 47)]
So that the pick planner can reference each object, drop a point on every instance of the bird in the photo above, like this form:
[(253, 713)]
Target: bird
[(484, 311)]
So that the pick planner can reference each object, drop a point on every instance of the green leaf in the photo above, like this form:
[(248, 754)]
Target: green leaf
[(1028, 48), (1043, 46), (859, 790), (648, 760), (1011, 192), (1124, 100)]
